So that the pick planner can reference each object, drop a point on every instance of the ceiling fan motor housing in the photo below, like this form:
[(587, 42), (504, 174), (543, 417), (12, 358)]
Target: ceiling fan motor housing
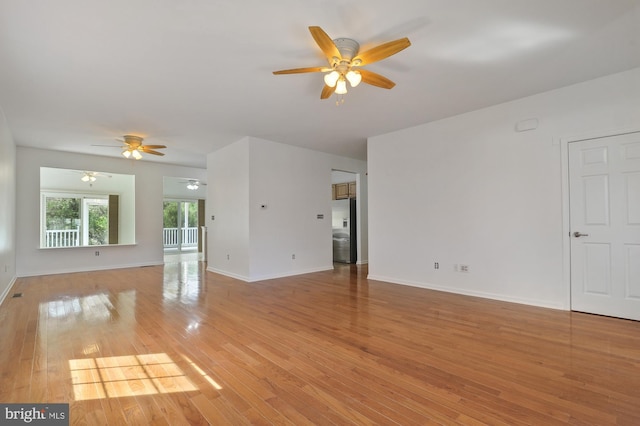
[(133, 140), (347, 47)]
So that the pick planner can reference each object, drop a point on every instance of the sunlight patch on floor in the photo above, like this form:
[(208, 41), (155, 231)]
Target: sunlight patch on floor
[(131, 375), (202, 373)]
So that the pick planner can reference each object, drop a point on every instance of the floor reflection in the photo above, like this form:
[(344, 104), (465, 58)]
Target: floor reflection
[(174, 256), (184, 278), (69, 311)]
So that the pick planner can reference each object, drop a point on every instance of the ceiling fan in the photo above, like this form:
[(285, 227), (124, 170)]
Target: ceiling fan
[(133, 147), (193, 184), (345, 62), (89, 176)]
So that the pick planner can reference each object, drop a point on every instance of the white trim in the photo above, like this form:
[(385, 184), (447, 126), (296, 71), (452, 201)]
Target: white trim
[(227, 274), (7, 290), (599, 134), (292, 273), (566, 221), (269, 277), (483, 295), (91, 269)]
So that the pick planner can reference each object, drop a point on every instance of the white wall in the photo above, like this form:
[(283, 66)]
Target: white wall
[(7, 209), (294, 185), (228, 200), (471, 190), (147, 250)]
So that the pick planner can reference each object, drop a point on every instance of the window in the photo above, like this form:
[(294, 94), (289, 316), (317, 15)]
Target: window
[(71, 220)]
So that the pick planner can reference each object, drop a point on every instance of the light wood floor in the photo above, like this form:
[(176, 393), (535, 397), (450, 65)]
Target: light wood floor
[(177, 345)]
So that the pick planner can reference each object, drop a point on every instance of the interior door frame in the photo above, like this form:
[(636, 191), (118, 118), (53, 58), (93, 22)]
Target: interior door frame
[(566, 221), (358, 242)]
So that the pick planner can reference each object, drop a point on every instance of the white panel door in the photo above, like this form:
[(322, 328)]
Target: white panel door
[(604, 185)]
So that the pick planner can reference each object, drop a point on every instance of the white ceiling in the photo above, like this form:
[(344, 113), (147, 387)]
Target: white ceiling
[(196, 75)]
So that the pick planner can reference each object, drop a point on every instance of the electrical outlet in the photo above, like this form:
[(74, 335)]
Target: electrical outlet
[(436, 265), (97, 253), (464, 268), (293, 256), (227, 257)]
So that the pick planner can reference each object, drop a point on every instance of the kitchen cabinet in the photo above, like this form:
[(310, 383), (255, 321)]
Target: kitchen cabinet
[(343, 191)]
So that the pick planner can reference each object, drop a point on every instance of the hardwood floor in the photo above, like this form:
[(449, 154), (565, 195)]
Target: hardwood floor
[(177, 345)]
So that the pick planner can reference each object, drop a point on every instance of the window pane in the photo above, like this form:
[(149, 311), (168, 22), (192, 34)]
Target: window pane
[(170, 214), (193, 214), (62, 222), (98, 211)]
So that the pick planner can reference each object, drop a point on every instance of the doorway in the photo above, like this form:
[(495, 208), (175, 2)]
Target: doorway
[(344, 216), (604, 215), (183, 232), (180, 228)]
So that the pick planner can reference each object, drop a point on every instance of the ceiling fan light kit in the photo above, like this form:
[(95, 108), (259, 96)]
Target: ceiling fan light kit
[(88, 177), (343, 55), (129, 152), (133, 147), (354, 77)]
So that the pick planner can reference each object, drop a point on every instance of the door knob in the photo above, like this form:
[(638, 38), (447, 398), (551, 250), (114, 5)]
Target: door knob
[(578, 234)]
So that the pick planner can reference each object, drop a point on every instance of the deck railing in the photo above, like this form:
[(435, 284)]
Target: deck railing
[(71, 237), (62, 237), (189, 237)]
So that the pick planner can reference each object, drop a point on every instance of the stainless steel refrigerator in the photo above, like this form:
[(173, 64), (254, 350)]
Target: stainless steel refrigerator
[(343, 220)]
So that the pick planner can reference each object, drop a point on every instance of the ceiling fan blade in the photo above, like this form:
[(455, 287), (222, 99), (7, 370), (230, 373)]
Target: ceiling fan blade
[(382, 51), (301, 70), (151, 151), (193, 181), (327, 91), (154, 146), (375, 79), (325, 43)]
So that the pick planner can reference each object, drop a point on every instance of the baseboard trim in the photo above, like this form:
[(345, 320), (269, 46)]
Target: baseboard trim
[(292, 273), (465, 292), (105, 268), (270, 276), (227, 274), (7, 290)]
